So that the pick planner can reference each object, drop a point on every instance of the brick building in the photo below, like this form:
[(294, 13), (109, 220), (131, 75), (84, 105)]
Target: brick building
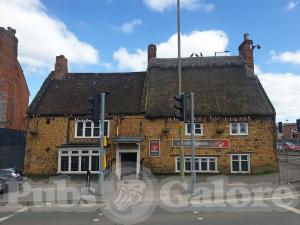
[(14, 96), (235, 120), (289, 132), (14, 93)]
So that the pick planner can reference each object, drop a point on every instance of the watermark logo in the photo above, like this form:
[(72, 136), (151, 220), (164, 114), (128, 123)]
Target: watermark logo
[(130, 200)]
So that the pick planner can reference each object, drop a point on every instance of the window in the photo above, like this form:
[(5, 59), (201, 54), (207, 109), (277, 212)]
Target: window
[(240, 163), (88, 129), (202, 164), (74, 163), (198, 129), (239, 128), (64, 165), (78, 161)]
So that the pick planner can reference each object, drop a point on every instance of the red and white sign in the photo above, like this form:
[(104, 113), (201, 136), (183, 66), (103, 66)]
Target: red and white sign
[(154, 148)]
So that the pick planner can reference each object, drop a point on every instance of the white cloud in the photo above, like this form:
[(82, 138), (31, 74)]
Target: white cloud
[(162, 5), (291, 5), (206, 42), (132, 61), (129, 27), (286, 57), (41, 36), (283, 91)]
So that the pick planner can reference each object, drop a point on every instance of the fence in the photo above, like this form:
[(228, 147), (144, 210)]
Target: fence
[(12, 148), (289, 167)]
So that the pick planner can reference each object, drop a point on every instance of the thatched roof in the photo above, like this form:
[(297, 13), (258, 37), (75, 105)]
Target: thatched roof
[(222, 86), (70, 96)]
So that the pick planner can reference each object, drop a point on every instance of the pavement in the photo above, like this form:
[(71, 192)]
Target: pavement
[(170, 204), (65, 189)]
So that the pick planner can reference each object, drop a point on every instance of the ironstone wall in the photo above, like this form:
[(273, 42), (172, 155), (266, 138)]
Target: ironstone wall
[(12, 148)]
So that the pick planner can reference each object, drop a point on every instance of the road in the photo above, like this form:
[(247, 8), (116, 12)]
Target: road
[(52, 214)]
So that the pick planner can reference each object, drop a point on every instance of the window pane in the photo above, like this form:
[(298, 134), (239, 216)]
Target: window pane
[(95, 163), (243, 128), (244, 166), (189, 128), (84, 163), (235, 166), (198, 128), (204, 164), (106, 128), (88, 124), (234, 128), (97, 124), (74, 163), (244, 157), (235, 157), (212, 165), (188, 165), (64, 163), (96, 131), (79, 129), (88, 132), (197, 165), (177, 164)]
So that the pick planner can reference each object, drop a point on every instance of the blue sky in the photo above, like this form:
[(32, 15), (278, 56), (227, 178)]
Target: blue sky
[(112, 35)]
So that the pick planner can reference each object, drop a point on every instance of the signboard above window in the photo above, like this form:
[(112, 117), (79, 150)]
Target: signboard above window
[(225, 143)]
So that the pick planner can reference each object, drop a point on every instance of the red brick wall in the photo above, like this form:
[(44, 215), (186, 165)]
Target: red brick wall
[(14, 93), (287, 131)]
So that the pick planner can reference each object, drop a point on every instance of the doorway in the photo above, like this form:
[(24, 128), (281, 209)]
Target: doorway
[(128, 165)]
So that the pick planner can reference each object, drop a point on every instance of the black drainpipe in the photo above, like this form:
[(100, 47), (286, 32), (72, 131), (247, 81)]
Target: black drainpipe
[(68, 131)]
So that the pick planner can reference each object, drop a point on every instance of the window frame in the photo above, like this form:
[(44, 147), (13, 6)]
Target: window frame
[(187, 133), (92, 128), (239, 129), (240, 163), (177, 170), (79, 152)]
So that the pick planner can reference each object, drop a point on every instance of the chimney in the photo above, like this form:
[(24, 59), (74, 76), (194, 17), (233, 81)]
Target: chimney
[(151, 51), (61, 67), (246, 51), (8, 42)]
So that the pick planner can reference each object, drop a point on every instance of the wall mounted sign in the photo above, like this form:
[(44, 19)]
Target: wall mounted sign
[(212, 143), (154, 148)]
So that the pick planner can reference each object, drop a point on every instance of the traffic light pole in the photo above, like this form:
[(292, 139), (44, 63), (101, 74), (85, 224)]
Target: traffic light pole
[(101, 174), (193, 172)]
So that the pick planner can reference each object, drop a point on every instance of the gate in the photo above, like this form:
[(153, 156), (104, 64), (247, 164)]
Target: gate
[(289, 167)]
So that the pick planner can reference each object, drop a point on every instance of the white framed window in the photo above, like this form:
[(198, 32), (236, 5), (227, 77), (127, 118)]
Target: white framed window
[(240, 128), (202, 164), (88, 129), (240, 163), (78, 161), (198, 129)]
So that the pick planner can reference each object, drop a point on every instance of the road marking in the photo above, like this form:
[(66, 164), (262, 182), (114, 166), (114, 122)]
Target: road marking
[(100, 214), (199, 218), (95, 220), (289, 208), (195, 212), (13, 214), (5, 218)]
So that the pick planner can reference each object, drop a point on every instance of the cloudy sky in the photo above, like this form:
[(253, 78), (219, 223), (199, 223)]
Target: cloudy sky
[(112, 35)]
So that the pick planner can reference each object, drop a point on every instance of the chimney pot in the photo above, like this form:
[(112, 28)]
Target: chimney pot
[(151, 51), (61, 67), (246, 36)]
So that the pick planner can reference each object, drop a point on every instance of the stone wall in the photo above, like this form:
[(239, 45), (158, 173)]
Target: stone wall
[(45, 135)]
